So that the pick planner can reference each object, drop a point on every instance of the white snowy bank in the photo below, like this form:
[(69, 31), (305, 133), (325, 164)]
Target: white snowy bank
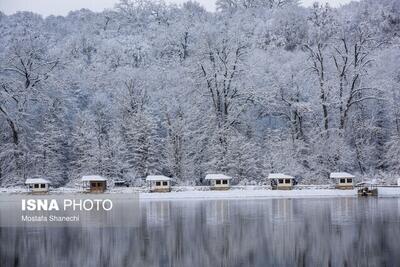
[(389, 191), (237, 192), (250, 194)]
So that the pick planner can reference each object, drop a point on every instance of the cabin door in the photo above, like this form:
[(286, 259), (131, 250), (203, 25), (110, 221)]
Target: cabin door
[(97, 186), (93, 186)]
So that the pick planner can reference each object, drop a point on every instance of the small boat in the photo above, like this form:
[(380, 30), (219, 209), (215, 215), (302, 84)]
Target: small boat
[(367, 188)]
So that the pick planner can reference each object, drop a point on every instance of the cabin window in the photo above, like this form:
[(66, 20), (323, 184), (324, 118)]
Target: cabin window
[(217, 181), (158, 183), (342, 181), (36, 186), (280, 181), (349, 180), (287, 181), (99, 184), (42, 186), (165, 183), (93, 184), (224, 181)]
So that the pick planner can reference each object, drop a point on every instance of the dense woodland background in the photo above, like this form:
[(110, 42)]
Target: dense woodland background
[(148, 88)]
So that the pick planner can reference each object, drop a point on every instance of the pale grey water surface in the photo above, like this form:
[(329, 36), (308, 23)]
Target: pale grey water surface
[(264, 232)]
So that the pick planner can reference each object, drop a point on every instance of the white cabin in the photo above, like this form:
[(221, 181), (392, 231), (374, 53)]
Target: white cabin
[(281, 181), (94, 183), (38, 185), (343, 180), (159, 183), (219, 181)]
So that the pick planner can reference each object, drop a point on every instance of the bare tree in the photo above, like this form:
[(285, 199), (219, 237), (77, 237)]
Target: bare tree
[(25, 69), (351, 57), (322, 25)]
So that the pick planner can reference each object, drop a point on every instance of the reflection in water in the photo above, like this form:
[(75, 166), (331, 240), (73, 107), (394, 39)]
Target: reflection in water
[(278, 232)]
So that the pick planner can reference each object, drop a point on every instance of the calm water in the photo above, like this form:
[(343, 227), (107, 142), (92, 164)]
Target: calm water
[(278, 232)]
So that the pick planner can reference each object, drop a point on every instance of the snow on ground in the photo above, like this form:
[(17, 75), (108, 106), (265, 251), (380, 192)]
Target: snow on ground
[(237, 192), (389, 191), (12, 190), (251, 194)]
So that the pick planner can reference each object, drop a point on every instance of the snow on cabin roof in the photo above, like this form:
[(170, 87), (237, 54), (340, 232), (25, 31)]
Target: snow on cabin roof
[(217, 177), (335, 175), (37, 181), (279, 176), (157, 178), (88, 178)]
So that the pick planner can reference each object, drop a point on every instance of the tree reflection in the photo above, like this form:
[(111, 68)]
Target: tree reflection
[(278, 232)]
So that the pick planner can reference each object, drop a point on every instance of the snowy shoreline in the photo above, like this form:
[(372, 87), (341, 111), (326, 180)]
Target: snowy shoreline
[(202, 193), (248, 194), (262, 194)]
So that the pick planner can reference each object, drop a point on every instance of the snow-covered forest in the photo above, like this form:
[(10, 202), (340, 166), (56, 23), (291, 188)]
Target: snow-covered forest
[(151, 88)]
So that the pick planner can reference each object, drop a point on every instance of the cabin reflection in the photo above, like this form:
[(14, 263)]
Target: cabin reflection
[(342, 211), (218, 212), (158, 212), (282, 209)]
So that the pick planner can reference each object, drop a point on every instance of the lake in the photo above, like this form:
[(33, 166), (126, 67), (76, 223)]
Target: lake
[(263, 232)]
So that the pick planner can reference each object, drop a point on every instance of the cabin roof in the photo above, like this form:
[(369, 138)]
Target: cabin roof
[(336, 175), (157, 178), (217, 176), (88, 178), (37, 181), (279, 176)]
